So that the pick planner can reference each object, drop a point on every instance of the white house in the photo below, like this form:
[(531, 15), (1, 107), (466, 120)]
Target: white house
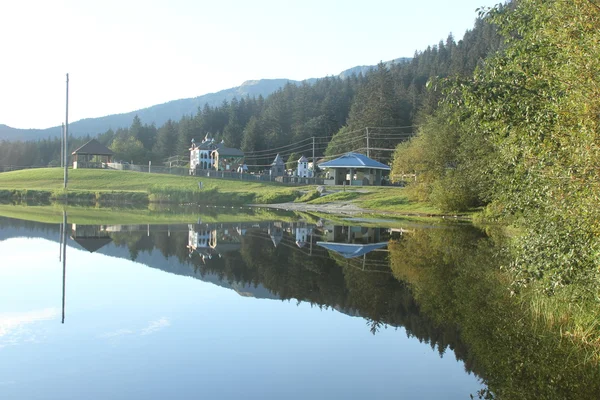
[(304, 169), (201, 155)]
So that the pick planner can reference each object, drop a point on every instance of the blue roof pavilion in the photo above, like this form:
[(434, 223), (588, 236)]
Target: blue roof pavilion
[(351, 250), (354, 169)]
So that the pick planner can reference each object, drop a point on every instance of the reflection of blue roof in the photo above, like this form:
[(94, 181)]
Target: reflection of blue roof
[(354, 160), (347, 250)]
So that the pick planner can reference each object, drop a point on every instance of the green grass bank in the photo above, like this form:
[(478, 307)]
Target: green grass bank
[(105, 187)]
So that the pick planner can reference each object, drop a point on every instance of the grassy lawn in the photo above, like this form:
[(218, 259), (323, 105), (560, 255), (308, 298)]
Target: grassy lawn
[(112, 180), (162, 186)]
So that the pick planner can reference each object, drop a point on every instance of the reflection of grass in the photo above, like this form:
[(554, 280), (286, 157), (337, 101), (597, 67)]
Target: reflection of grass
[(120, 216), (567, 312)]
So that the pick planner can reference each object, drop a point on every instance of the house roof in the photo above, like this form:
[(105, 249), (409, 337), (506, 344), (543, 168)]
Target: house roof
[(277, 160), (354, 160), (94, 147), (303, 159), (92, 244), (348, 250), (228, 151)]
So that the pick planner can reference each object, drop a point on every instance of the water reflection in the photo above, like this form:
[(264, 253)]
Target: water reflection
[(439, 284)]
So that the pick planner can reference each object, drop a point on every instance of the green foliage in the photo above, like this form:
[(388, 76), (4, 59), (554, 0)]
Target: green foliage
[(537, 105), (441, 160)]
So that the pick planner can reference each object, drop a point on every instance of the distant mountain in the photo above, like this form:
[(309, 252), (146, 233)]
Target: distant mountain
[(363, 69), (159, 114)]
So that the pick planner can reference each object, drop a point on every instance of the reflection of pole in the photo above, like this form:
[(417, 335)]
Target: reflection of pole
[(61, 241), (64, 260)]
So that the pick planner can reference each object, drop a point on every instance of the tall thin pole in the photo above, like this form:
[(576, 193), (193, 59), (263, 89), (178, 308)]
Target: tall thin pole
[(61, 240), (313, 159), (62, 145), (66, 157), (64, 260), (368, 155)]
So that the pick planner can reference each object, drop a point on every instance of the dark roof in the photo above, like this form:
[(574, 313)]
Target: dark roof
[(94, 147), (347, 250), (92, 244), (354, 160), (228, 151)]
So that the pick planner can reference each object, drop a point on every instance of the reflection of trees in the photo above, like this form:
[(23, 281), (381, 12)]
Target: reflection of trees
[(444, 288), (455, 279)]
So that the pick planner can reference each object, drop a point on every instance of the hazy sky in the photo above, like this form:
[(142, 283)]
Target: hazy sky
[(123, 55)]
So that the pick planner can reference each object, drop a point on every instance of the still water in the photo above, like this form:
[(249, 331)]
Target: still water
[(268, 310)]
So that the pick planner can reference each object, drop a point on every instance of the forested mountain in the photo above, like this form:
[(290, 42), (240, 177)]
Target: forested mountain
[(161, 113), (158, 114), (388, 98)]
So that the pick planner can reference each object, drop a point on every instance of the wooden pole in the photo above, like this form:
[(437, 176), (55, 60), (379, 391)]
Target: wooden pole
[(313, 159), (368, 153)]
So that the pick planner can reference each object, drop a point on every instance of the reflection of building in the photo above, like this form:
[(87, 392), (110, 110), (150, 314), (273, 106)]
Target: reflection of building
[(351, 250), (302, 234), (210, 240), (351, 234), (90, 237), (275, 233)]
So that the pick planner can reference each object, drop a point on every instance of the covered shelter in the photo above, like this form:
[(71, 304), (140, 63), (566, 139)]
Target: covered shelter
[(93, 154), (351, 250), (354, 169), (90, 237)]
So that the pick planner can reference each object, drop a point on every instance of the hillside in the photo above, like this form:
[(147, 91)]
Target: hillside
[(158, 114), (161, 113)]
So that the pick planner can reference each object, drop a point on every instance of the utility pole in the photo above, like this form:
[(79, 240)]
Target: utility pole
[(66, 136), (62, 146), (313, 159), (368, 155)]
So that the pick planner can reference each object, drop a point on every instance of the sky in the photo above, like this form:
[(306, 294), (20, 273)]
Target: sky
[(124, 55)]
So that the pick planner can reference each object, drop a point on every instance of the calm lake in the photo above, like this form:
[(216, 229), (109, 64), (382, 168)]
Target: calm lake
[(269, 310)]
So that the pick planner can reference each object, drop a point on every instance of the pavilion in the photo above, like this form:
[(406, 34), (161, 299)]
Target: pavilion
[(93, 154), (354, 169)]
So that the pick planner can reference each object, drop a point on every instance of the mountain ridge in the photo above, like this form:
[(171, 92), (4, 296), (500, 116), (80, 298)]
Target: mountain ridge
[(173, 109)]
